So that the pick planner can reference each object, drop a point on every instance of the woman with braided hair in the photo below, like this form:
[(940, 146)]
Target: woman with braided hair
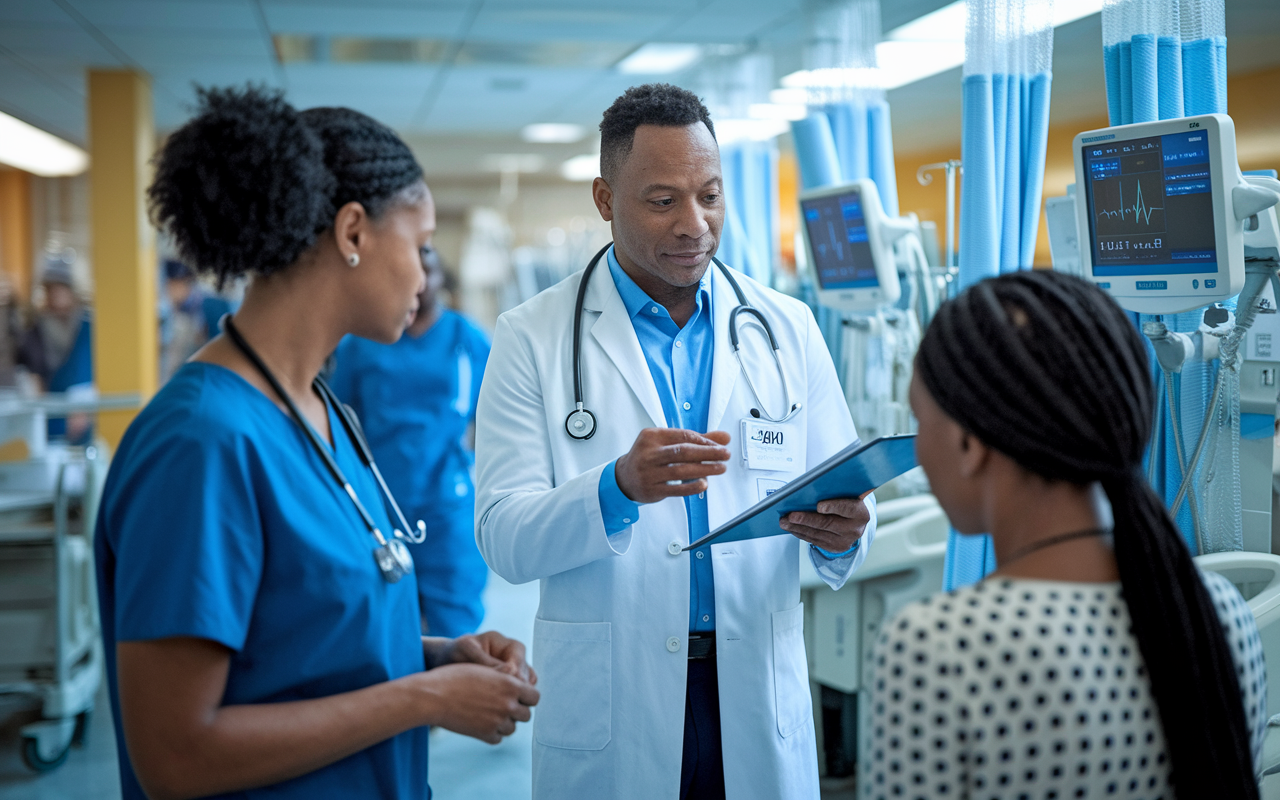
[(259, 638), (1097, 661)]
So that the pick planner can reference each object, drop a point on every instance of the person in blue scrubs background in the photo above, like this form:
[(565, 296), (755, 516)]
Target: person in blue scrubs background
[(254, 645), (58, 348), (416, 400)]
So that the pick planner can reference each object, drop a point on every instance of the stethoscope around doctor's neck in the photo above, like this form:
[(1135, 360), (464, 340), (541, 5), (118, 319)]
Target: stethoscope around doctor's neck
[(392, 557), (581, 423)]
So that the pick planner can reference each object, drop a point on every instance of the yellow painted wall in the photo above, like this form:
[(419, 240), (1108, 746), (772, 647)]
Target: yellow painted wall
[(15, 229), (1252, 100), (121, 143)]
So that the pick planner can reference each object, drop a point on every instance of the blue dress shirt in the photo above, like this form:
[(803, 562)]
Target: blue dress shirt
[(680, 362)]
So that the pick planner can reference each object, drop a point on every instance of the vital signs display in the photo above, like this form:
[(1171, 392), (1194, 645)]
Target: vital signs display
[(1154, 212)]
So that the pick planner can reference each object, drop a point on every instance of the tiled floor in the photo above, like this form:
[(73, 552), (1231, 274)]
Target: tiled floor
[(461, 768)]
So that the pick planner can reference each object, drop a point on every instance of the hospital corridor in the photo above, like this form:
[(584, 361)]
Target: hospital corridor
[(639, 399)]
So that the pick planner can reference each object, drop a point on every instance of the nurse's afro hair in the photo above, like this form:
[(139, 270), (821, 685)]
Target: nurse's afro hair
[(1045, 368), (651, 104), (249, 183)]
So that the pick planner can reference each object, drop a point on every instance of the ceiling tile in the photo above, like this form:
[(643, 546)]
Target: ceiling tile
[(596, 22), (210, 16), (409, 21)]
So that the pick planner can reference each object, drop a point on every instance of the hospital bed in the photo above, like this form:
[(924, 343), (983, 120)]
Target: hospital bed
[(50, 647), (841, 628), (1257, 576)]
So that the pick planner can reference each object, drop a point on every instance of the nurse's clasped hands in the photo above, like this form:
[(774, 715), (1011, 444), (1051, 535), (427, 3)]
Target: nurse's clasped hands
[(478, 685), (671, 462)]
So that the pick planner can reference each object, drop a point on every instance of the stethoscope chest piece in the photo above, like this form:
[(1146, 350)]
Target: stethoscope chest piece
[(394, 560), (581, 423)]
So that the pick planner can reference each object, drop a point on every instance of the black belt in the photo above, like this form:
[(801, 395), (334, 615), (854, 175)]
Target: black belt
[(702, 646)]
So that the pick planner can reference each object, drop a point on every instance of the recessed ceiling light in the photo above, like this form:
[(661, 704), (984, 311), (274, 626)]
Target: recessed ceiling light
[(29, 148), (581, 168), (553, 132), (658, 58)]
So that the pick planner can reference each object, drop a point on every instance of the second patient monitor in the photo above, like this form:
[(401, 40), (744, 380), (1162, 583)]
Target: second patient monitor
[(850, 246)]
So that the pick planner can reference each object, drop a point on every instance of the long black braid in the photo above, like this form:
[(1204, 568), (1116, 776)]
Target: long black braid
[(1047, 369)]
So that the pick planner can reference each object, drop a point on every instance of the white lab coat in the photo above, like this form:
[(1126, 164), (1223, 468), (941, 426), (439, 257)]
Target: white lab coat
[(610, 638)]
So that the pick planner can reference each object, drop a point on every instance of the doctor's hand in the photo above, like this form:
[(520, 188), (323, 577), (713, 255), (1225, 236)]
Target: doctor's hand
[(662, 455), (489, 649), (835, 526)]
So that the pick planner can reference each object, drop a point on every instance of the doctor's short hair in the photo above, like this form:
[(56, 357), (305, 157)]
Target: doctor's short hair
[(651, 104), (250, 183)]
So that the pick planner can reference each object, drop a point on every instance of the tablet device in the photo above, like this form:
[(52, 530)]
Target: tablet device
[(857, 469)]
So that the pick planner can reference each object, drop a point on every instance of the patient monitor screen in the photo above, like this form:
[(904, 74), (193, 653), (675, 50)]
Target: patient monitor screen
[(1150, 206), (838, 241)]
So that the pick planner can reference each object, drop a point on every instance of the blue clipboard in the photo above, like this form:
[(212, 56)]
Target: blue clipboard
[(854, 470)]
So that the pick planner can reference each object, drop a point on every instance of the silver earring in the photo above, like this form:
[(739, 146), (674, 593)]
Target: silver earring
[(354, 259)]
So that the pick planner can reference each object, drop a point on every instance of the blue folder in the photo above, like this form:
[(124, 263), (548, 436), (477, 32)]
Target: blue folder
[(857, 469)]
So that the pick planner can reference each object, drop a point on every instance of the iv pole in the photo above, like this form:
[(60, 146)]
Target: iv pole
[(952, 168)]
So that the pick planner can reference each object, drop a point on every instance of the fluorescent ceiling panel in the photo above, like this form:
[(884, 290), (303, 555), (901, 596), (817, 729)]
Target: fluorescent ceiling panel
[(29, 148), (553, 132), (306, 48), (923, 47), (657, 58)]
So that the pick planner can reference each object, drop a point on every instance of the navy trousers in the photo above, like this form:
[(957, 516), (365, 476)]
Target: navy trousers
[(702, 770)]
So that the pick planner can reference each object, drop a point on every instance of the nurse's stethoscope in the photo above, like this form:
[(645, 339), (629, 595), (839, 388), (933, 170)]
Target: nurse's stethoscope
[(391, 555), (581, 423)]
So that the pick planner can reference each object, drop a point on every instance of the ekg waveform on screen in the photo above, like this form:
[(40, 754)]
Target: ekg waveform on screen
[(1130, 204), (1139, 209)]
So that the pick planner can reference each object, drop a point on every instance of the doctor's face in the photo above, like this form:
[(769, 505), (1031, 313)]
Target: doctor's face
[(666, 203)]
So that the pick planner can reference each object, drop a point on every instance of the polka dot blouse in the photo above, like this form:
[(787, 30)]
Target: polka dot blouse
[(1031, 689)]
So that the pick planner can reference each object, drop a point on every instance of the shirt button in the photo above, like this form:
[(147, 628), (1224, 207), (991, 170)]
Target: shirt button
[(673, 645), (702, 495), (701, 554), (674, 548), (679, 343), (687, 406), (706, 617), (626, 520), (654, 309)]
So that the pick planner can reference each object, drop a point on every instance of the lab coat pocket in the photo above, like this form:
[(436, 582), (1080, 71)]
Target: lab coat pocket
[(575, 677), (790, 672)]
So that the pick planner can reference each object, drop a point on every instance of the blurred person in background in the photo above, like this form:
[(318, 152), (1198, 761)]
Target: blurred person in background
[(192, 319), (416, 400), (10, 332), (58, 346)]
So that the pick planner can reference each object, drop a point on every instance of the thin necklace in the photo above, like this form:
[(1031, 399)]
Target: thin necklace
[(1051, 541)]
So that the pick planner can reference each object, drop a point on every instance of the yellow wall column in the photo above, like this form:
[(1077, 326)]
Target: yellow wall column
[(121, 143), (15, 229)]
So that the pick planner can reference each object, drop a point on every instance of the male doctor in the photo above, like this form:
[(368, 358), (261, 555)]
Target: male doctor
[(664, 674)]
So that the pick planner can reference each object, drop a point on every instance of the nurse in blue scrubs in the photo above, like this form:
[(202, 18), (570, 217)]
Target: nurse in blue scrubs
[(416, 399), (259, 611)]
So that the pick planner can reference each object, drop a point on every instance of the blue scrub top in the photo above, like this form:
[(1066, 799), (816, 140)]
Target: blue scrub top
[(415, 399), (219, 521), (76, 370)]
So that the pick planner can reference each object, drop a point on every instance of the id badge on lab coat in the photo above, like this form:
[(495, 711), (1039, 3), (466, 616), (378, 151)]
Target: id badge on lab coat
[(770, 446)]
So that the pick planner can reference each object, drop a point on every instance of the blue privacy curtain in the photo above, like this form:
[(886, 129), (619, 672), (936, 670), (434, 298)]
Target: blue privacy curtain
[(748, 239), (1007, 73), (1166, 59), (846, 135)]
